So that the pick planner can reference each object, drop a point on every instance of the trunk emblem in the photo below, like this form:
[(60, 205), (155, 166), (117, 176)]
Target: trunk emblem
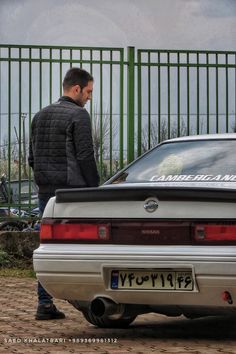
[(150, 205)]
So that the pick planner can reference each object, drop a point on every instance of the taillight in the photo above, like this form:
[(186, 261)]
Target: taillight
[(74, 232), (214, 233)]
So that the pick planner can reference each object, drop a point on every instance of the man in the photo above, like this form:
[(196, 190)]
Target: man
[(61, 154)]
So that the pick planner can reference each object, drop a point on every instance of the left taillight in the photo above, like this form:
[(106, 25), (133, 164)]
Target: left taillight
[(66, 231), (214, 233)]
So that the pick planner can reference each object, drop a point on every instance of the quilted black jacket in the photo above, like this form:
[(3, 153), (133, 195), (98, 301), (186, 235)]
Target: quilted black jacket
[(61, 148)]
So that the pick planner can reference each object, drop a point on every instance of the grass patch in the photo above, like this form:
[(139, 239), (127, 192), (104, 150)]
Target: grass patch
[(17, 273), (15, 262), (18, 267)]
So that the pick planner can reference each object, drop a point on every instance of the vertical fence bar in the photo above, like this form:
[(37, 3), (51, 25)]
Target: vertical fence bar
[(139, 88), (0, 104), (9, 124), (50, 76), (159, 97), (130, 105), (91, 72), (198, 96), (30, 118), (121, 135), (149, 101), (60, 73), (81, 58), (168, 92), (111, 120), (21, 158), (71, 57), (208, 94), (227, 93), (178, 93), (101, 115), (40, 78), (91, 101), (217, 96), (188, 96), (235, 93)]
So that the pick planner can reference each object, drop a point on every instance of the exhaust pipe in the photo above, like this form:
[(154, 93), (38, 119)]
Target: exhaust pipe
[(103, 306)]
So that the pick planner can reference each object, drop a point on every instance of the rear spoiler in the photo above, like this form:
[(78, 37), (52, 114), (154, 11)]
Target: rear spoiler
[(136, 193)]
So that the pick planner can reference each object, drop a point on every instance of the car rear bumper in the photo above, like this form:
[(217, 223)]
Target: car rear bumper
[(83, 272)]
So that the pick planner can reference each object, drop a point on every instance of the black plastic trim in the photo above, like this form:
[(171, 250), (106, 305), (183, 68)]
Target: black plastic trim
[(136, 193)]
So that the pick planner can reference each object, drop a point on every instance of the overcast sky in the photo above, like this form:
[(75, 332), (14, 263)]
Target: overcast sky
[(159, 24)]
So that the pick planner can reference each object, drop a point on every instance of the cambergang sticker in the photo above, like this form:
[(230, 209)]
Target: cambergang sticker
[(193, 178)]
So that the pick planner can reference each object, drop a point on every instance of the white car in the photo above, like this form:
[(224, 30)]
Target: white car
[(159, 236)]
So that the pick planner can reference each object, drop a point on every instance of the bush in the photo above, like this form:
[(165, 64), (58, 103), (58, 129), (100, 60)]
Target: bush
[(4, 259), (13, 261)]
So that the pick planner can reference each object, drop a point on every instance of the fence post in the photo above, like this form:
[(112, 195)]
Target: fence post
[(130, 105)]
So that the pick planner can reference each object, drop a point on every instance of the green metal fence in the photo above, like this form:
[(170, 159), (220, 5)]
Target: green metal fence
[(140, 98), (184, 93)]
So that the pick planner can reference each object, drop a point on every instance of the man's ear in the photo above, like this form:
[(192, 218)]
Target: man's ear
[(78, 88)]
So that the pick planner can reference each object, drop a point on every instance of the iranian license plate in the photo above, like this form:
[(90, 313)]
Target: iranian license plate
[(152, 279)]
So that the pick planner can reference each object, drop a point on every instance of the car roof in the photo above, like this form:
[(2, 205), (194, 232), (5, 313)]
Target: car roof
[(226, 136)]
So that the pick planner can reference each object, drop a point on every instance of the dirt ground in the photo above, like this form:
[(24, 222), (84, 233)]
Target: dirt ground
[(152, 333)]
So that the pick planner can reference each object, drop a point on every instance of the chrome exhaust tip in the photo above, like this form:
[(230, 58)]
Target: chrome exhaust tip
[(103, 306)]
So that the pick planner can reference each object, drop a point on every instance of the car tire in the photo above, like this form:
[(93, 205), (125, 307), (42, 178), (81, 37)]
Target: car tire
[(11, 226), (106, 322)]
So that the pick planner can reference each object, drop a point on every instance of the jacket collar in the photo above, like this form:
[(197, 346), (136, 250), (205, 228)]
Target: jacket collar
[(68, 99)]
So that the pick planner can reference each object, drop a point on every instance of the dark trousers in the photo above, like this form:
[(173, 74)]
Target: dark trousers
[(43, 296)]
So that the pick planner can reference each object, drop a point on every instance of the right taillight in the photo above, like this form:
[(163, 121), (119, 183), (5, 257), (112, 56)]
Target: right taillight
[(213, 233)]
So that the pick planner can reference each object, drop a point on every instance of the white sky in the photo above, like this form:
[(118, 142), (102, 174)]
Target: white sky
[(159, 24)]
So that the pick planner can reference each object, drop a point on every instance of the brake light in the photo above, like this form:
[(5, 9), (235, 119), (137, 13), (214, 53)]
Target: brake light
[(210, 233), (73, 232)]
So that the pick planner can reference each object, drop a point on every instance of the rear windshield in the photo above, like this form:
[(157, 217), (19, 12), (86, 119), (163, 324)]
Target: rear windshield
[(191, 161)]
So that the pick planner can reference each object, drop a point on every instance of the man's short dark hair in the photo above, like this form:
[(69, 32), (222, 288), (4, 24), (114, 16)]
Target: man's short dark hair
[(76, 76)]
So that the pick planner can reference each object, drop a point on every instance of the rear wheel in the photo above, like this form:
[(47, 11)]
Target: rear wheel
[(107, 322)]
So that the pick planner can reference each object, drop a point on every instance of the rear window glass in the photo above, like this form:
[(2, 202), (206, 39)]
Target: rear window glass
[(191, 161)]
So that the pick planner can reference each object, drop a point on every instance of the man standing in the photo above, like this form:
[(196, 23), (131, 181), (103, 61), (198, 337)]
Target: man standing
[(61, 154)]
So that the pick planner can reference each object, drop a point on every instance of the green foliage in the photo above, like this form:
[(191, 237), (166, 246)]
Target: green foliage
[(15, 171), (11, 266), (4, 259), (8, 261)]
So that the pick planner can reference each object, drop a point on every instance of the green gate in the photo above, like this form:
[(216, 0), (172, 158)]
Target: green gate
[(184, 93), (140, 98)]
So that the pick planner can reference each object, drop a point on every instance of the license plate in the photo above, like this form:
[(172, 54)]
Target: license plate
[(152, 280)]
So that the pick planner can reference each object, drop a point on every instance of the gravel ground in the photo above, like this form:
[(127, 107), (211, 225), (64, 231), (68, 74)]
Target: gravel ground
[(152, 333)]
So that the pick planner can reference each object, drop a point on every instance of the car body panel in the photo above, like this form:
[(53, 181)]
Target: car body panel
[(166, 210), (85, 271), (82, 271)]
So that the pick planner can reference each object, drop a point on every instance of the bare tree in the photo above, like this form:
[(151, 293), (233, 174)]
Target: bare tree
[(22, 144), (13, 154), (101, 131), (9, 162), (152, 139)]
